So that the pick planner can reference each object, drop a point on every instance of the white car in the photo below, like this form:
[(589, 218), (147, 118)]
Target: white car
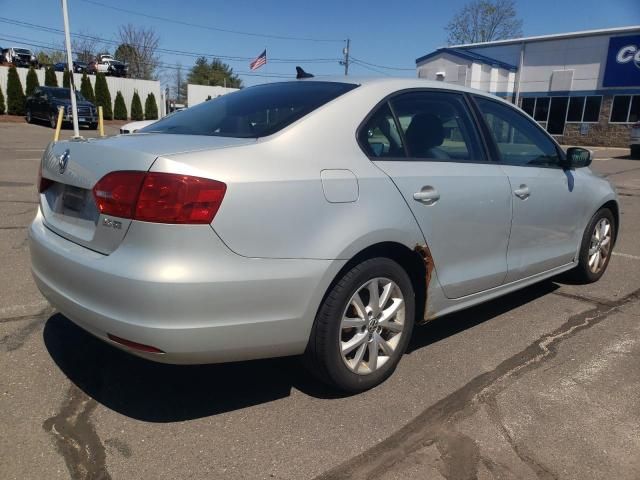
[(316, 218), (133, 127), (634, 140)]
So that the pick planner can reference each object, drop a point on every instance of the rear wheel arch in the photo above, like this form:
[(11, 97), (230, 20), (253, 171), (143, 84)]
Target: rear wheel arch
[(412, 261)]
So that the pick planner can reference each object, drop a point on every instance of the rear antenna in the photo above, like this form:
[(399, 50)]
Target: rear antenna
[(300, 73)]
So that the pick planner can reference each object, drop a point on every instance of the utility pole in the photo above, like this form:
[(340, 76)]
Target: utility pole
[(345, 62), (67, 41)]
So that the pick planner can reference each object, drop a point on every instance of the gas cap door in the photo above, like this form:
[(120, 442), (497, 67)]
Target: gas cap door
[(339, 186)]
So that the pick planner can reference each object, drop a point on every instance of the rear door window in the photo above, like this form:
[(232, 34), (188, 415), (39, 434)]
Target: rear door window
[(252, 112), (380, 137), (437, 126)]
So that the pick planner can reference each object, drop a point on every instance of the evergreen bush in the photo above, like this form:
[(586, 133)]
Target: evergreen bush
[(32, 82), (86, 89), (119, 109), (50, 79), (150, 108), (15, 94), (103, 97), (136, 107)]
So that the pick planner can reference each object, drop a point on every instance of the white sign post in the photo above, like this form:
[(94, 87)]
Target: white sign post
[(67, 41)]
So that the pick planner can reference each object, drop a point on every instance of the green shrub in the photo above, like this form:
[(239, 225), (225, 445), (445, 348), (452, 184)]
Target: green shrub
[(86, 89), (32, 82), (136, 107), (15, 94), (150, 108), (66, 79), (50, 79), (103, 97), (1, 102), (119, 109)]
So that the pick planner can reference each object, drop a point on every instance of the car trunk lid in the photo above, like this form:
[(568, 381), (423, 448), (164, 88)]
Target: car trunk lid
[(74, 167)]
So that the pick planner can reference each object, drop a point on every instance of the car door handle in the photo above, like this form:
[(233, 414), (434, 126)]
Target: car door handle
[(522, 192), (427, 195)]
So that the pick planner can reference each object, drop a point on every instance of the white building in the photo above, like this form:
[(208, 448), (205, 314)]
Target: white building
[(201, 93), (583, 87)]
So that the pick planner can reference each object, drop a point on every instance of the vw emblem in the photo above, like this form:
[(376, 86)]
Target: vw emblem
[(62, 161)]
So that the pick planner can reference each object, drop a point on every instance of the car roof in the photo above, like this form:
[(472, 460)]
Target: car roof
[(397, 83)]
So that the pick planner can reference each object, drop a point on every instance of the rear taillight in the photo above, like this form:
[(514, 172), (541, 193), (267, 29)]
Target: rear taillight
[(159, 197), (43, 183), (117, 192)]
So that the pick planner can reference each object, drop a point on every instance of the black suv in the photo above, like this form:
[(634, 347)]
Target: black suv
[(45, 101)]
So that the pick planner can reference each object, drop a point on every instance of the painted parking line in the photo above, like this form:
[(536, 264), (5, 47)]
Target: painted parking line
[(626, 255)]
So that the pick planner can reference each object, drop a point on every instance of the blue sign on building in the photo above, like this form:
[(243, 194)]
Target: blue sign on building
[(623, 62)]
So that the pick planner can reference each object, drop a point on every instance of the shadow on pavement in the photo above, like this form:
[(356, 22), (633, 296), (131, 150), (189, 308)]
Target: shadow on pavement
[(156, 392), (451, 324)]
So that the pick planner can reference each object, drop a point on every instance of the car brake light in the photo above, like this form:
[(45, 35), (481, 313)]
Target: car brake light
[(116, 193), (159, 197), (170, 198)]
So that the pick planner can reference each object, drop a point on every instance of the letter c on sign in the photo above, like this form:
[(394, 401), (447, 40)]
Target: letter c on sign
[(626, 54)]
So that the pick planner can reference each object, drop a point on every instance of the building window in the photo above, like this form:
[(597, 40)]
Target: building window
[(541, 111), (557, 115), (592, 109), (625, 109), (576, 107), (634, 111), (584, 109), (553, 112), (528, 105)]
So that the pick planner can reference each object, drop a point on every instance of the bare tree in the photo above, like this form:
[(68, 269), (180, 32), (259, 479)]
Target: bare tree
[(483, 21), (138, 48), (85, 47), (50, 56)]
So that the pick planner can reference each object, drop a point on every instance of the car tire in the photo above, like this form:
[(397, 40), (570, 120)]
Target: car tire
[(635, 151), (53, 120), (28, 116), (596, 247), (344, 337), (93, 126)]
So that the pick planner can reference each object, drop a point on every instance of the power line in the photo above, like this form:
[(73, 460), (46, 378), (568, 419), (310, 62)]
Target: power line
[(238, 58), (361, 65), (383, 66), (208, 27)]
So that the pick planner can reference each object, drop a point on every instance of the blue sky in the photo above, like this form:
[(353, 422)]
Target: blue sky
[(389, 33)]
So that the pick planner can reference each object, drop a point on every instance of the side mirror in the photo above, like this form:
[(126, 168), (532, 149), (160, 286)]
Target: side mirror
[(578, 157)]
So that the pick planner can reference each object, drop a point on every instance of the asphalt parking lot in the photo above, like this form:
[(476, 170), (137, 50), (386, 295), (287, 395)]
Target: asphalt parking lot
[(543, 383)]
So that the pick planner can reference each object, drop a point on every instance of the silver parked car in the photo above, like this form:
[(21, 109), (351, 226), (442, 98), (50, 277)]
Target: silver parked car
[(322, 218)]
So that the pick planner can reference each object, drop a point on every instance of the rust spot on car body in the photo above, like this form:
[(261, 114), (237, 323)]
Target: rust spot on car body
[(425, 254)]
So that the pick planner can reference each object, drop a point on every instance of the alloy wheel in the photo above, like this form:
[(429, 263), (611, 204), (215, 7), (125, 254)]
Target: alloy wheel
[(372, 325), (600, 245)]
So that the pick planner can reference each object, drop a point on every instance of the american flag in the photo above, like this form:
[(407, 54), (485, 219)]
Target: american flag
[(258, 62)]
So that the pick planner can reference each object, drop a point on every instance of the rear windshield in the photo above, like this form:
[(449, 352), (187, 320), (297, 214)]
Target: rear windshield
[(252, 112), (22, 51)]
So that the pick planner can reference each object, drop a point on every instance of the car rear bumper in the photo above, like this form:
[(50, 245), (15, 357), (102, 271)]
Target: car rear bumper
[(183, 292)]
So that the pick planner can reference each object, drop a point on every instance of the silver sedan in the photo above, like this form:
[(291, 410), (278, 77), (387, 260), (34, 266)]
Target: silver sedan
[(323, 218)]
